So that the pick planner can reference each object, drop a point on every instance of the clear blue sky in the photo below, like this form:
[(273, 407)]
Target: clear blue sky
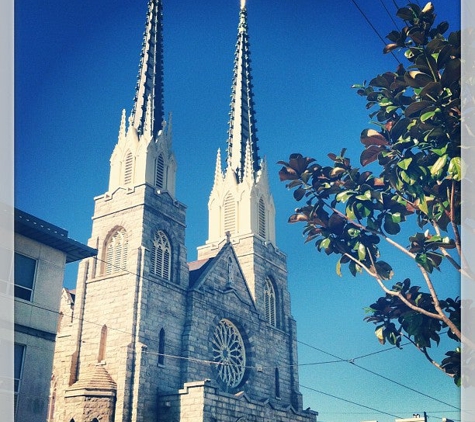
[(76, 66)]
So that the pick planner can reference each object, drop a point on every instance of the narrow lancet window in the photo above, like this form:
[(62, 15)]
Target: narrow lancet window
[(160, 172), (116, 252), (269, 303), (102, 344), (128, 168), (229, 214), (161, 256), (262, 219), (161, 347)]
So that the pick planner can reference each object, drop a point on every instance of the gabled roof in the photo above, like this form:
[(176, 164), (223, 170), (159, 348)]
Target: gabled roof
[(199, 271), (51, 235), (197, 268)]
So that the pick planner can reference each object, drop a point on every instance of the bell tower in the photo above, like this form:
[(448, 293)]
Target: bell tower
[(240, 205), (130, 300)]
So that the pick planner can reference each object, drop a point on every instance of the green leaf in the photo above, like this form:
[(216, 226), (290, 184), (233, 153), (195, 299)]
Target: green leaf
[(343, 196), (427, 116), (438, 167), (455, 168), (424, 262), (361, 251), (338, 267), (404, 164)]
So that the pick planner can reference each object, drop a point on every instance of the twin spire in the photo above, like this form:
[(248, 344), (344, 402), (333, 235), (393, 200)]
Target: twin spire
[(148, 101), (148, 115)]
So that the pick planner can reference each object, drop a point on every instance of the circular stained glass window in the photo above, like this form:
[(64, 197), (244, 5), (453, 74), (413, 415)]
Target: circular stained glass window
[(229, 353)]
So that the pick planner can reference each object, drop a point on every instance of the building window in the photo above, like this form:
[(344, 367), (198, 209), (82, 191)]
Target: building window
[(161, 256), (161, 347), (160, 172), (229, 214), (277, 383), (129, 160), (25, 269), (19, 358), (262, 219), (116, 252), (269, 303), (102, 344)]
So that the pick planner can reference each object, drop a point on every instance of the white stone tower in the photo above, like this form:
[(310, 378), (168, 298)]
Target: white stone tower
[(126, 298)]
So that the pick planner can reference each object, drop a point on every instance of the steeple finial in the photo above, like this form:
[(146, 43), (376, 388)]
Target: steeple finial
[(150, 75), (242, 122)]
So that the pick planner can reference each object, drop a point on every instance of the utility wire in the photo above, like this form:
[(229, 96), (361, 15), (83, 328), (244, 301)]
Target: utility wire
[(373, 28), (390, 14), (352, 362), (208, 362), (350, 401)]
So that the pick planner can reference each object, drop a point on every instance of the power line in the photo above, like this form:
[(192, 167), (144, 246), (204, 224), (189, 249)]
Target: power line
[(373, 28), (352, 362), (350, 401)]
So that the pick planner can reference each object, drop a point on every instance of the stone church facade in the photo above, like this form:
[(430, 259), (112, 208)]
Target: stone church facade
[(148, 336)]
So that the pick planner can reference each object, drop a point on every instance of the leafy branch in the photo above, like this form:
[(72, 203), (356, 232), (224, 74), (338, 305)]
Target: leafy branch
[(348, 211)]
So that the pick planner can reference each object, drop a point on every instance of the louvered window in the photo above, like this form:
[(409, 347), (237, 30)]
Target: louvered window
[(160, 172), (116, 253), (269, 303), (229, 214), (129, 160), (161, 256), (262, 219)]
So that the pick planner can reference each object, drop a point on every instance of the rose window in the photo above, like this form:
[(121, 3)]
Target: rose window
[(229, 353)]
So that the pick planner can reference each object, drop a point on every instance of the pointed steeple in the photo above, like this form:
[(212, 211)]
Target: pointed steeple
[(150, 76), (242, 124)]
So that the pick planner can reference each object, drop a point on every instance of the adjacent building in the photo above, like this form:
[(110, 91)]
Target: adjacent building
[(41, 252), (149, 336)]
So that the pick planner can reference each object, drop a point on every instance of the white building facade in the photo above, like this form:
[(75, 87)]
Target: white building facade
[(41, 253)]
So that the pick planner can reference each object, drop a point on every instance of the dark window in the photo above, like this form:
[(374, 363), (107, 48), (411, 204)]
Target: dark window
[(18, 369), (161, 347), (277, 383), (25, 269)]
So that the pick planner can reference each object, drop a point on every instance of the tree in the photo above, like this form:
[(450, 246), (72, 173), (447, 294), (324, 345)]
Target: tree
[(413, 176)]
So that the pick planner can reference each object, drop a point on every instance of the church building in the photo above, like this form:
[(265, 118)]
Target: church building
[(147, 336)]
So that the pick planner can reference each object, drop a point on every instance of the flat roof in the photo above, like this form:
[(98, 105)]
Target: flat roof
[(37, 229)]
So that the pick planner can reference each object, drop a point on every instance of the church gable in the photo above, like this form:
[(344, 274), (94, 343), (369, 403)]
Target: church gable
[(221, 274)]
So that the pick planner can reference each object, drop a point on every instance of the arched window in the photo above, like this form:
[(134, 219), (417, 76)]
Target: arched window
[(128, 168), (102, 344), (161, 256), (277, 383), (116, 252), (160, 172), (269, 303), (161, 347), (261, 219), (229, 214)]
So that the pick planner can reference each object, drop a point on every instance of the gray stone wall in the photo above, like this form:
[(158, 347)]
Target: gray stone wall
[(203, 402)]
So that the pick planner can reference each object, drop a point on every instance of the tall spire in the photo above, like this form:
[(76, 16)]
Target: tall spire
[(150, 76), (242, 129)]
